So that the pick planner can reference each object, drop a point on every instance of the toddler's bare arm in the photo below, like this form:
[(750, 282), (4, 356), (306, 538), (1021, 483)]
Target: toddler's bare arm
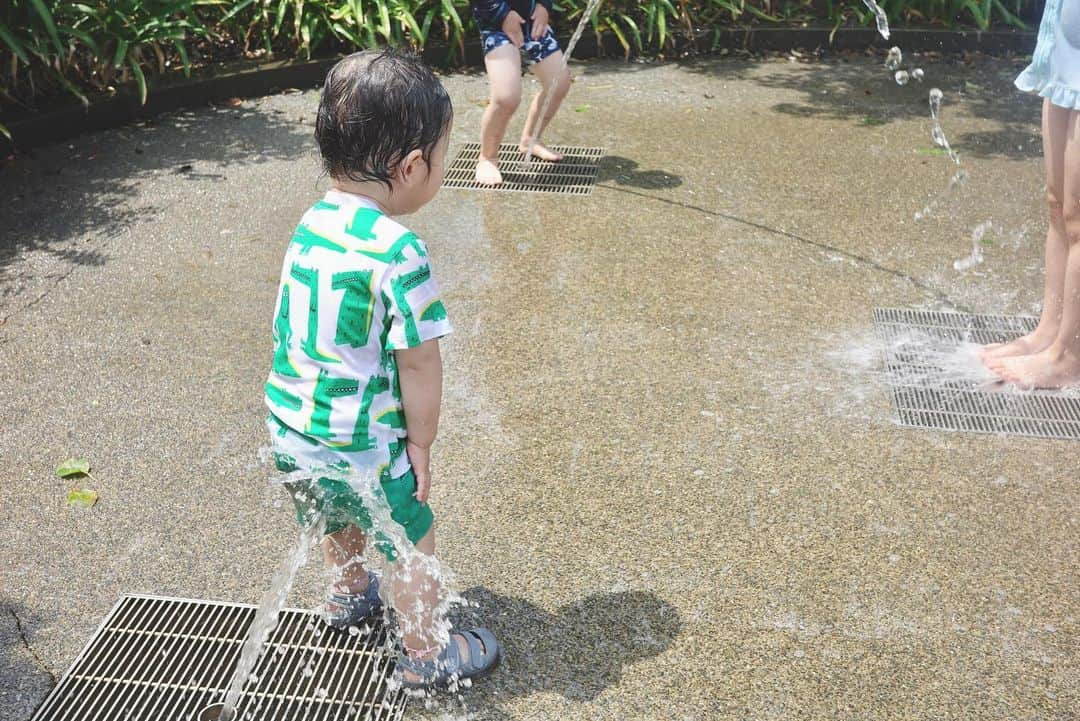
[(420, 375)]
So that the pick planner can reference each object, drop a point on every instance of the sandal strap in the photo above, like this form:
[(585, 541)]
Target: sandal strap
[(446, 664), (483, 649)]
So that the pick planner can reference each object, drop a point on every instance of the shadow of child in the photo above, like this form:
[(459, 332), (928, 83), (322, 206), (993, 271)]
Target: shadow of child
[(577, 651)]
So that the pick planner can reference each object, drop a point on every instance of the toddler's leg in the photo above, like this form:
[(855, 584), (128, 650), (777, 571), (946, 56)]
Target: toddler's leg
[(504, 73), (1058, 365), (554, 78), (416, 592), (341, 552), (1054, 122)]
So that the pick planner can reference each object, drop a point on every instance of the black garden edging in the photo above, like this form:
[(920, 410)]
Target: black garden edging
[(247, 79)]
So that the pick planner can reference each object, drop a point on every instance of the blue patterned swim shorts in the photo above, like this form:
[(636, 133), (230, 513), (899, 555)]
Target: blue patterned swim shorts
[(534, 50)]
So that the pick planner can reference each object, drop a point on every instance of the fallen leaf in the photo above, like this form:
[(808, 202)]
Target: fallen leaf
[(82, 497), (234, 102), (581, 108), (73, 467)]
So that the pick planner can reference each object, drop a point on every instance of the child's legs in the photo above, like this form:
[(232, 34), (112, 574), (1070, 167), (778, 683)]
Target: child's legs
[(1054, 124), (1058, 365), (554, 78), (342, 552), (1068, 337), (504, 74), (416, 599), (415, 587)]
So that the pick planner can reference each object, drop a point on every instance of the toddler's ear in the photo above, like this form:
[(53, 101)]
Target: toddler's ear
[(413, 165)]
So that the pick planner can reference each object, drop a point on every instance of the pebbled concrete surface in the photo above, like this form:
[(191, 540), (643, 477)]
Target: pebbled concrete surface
[(667, 473)]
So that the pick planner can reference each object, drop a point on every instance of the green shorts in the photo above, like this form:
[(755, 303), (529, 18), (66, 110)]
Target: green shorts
[(343, 507)]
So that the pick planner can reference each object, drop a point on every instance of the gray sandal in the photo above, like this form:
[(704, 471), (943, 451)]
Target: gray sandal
[(449, 667), (343, 610)]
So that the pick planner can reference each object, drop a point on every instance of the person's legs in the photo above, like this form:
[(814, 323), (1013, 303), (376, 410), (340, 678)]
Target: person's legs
[(503, 65), (554, 78), (1058, 365), (1054, 123), (416, 587), (342, 552)]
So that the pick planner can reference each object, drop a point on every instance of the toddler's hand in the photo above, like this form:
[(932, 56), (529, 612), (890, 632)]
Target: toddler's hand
[(540, 22), (420, 458), (511, 25)]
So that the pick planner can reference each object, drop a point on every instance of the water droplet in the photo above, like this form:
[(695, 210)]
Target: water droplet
[(880, 16), (307, 672), (321, 693), (918, 74), (902, 77), (894, 58)]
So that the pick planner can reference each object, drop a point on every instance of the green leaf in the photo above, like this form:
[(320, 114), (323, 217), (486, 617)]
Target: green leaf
[(82, 497), (15, 45), (182, 52), (71, 88), (140, 79), (236, 8), (82, 37), (581, 108), (47, 20), (120, 54), (6, 133), (73, 467)]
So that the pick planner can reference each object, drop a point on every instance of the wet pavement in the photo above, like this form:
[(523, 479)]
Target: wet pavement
[(666, 473)]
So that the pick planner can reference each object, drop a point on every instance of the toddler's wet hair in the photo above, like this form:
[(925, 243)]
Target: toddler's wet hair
[(377, 106)]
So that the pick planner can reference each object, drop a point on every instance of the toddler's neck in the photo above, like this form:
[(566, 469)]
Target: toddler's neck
[(374, 192)]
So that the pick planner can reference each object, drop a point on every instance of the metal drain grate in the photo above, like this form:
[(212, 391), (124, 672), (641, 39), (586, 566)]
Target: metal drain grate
[(575, 174), (959, 405), (168, 659)]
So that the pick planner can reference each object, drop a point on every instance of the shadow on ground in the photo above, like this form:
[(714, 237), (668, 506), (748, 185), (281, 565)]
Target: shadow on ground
[(98, 185), (577, 652), (624, 171), (863, 91)]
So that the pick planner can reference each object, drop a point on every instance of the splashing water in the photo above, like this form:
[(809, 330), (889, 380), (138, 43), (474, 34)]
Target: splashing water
[(957, 180), (266, 617), (918, 74), (894, 58), (976, 256), (882, 18), (902, 77), (944, 362), (412, 572), (937, 133), (567, 52)]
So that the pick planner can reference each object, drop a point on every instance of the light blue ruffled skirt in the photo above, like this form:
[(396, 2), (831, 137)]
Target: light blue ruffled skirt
[(1054, 72)]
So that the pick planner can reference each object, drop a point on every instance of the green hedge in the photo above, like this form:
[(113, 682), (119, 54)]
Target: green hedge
[(50, 46)]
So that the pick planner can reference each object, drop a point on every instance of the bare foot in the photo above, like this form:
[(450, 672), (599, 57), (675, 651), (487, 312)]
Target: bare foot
[(487, 172), (541, 151), (1034, 342), (1052, 368)]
